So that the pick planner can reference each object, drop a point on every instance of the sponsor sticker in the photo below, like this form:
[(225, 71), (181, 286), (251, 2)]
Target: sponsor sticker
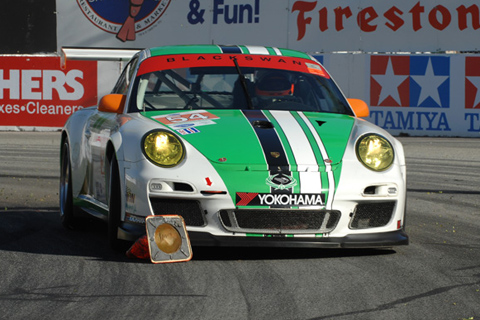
[(188, 131), (316, 69), (208, 181), (185, 120), (130, 217), (284, 199)]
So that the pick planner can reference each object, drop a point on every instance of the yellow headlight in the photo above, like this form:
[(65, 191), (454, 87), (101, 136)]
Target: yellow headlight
[(375, 152), (163, 148)]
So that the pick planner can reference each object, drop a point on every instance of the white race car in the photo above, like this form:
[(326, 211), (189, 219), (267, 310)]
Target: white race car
[(252, 146)]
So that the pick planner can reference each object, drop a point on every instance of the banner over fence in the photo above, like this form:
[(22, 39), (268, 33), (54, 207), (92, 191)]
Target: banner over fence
[(36, 92), (418, 95), (415, 94), (313, 26)]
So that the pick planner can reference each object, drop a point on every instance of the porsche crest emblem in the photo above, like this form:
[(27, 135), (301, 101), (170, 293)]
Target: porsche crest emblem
[(275, 154)]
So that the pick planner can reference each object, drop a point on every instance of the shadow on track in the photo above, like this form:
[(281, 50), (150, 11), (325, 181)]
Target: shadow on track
[(40, 232), (239, 253), (440, 191)]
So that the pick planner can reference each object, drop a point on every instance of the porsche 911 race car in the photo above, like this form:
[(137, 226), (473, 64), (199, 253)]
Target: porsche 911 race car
[(251, 146)]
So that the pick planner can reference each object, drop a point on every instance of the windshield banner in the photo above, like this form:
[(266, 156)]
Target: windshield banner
[(218, 60)]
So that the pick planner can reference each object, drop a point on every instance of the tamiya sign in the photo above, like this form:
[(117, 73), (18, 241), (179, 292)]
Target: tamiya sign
[(35, 91), (425, 94)]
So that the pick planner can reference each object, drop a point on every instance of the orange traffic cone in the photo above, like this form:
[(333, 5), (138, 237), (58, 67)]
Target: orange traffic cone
[(139, 249)]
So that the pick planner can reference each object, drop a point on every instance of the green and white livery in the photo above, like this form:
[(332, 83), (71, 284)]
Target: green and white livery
[(252, 146)]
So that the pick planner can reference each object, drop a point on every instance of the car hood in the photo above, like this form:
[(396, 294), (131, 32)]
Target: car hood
[(257, 140)]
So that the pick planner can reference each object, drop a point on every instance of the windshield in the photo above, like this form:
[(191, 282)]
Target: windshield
[(236, 87)]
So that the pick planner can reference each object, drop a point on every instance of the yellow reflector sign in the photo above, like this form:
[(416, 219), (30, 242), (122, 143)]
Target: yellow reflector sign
[(168, 239)]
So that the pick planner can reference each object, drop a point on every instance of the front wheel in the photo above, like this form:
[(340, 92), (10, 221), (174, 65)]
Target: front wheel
[(114, 206), (66, 198)]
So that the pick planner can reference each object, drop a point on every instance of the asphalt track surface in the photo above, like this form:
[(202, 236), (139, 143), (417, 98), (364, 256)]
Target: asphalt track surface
[(48, 272)]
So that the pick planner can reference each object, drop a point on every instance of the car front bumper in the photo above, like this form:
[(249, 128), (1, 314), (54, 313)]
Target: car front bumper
[(366, 240)]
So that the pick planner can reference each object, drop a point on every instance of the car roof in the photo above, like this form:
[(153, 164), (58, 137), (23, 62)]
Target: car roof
[(229, 49)]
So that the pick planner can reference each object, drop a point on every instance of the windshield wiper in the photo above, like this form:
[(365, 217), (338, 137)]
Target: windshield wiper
[(244, 84)]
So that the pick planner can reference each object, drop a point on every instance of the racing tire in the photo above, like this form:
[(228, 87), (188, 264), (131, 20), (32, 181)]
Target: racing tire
[(67, 209), (114, 207)]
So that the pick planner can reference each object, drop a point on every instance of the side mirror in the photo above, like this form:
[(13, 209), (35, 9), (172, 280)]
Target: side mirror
[(113, 103), (359, 107)]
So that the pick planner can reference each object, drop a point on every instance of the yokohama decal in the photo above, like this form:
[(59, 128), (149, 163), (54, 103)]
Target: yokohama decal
[(244, 198), (279, 199)]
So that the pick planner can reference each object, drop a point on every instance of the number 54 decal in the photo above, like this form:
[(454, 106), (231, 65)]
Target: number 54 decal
[(187, 119)]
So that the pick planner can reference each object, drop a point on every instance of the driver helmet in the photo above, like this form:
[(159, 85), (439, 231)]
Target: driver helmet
[(274, 84)]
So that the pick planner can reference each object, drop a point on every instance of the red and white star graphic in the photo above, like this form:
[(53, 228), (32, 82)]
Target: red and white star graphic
[(389, 82), (472, 83)]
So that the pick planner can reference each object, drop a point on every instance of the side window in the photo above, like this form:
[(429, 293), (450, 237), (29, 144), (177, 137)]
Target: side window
[(122, 84)]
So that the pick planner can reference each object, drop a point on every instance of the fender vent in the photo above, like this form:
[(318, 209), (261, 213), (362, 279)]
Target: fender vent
[(178, 186)]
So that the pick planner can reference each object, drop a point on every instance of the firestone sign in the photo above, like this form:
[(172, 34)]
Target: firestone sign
[(371, 19)]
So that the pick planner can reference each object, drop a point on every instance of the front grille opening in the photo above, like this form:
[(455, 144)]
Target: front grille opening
[(225, 219), (372, 215), (189, 210), (279, 220)]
